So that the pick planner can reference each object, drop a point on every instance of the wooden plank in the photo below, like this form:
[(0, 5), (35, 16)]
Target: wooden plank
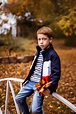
[(9, 59)]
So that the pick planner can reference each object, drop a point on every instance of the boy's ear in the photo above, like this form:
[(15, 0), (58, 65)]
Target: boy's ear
[(50, 39)]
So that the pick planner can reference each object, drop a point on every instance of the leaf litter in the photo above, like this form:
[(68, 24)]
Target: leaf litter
[(66, 87)]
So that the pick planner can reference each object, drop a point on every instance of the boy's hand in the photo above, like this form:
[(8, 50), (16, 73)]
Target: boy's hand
[(42, 87), (45, 93)]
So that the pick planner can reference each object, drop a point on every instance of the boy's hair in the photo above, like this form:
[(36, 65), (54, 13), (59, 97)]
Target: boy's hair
[(46, 31)]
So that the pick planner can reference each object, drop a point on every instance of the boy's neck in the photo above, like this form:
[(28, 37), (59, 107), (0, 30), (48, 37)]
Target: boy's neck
[(47, 47)]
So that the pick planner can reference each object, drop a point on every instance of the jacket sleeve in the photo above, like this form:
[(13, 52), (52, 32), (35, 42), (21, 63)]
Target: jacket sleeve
[(55, 72)]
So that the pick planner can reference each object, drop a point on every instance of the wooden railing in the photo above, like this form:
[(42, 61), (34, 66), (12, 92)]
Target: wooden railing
[(9, 84)]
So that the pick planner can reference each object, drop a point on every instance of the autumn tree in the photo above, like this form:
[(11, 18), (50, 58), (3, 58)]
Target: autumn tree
[(68, 26), (17, 7), (54, 13)]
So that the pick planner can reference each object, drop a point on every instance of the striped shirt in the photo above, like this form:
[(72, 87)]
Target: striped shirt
[(36, 76)]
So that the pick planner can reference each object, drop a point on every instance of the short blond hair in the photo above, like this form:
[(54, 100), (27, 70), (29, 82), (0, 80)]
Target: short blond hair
[(46, 31)]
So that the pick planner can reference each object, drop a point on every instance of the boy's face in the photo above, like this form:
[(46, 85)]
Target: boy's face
[(43, 41)]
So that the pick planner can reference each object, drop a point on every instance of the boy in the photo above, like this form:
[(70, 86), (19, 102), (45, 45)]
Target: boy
[(46, 66)]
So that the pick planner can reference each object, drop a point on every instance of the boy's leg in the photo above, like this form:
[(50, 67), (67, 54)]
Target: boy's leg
[(25, 91), (37, 104)]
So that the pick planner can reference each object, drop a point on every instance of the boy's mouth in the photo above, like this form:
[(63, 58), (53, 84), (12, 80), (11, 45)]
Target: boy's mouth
[(42, 45)]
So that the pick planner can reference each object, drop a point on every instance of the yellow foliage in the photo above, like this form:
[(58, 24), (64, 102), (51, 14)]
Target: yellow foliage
[(66, 33), (68, 24)]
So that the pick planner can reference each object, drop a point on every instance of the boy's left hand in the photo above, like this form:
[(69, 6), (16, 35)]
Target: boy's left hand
[(45, 93), (43, 89)]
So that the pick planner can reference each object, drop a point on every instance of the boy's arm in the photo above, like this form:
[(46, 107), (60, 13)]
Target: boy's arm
[(55, 71)]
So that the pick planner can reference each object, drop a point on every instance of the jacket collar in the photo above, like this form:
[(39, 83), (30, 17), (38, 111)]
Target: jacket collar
[(46, 50)]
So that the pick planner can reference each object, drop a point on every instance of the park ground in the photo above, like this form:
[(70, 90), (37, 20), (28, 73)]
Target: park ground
[(67, 83)]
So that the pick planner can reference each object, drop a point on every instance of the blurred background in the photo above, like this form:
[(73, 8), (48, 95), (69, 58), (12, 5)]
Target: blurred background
[(23, 18), (19, 21)]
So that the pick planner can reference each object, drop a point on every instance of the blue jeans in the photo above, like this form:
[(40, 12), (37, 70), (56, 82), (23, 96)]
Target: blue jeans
[(37, 102)]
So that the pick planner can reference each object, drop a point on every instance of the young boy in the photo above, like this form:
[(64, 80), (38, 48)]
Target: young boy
[(45, 66)]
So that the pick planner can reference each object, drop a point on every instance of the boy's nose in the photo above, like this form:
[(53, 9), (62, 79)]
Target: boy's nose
[(41, 41)]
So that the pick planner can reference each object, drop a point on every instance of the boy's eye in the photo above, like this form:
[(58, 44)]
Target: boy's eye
[(39, 39), (42, 39)]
